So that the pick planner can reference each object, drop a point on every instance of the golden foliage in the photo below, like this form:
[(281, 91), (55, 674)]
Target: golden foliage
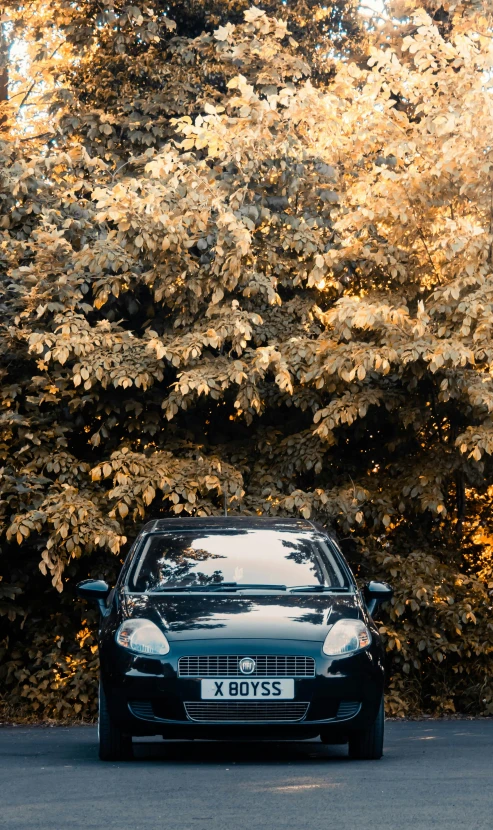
[(274, 286)]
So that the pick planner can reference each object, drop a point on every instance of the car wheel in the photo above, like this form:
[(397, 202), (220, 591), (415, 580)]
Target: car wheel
[(367, 744), (114, 745)]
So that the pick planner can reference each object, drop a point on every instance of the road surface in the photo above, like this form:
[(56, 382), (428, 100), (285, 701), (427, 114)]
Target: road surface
[(433, 775)]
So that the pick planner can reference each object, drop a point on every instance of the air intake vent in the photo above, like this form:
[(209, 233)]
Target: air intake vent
[(258, 712), (348, 709), (141, 709), (267, 665)]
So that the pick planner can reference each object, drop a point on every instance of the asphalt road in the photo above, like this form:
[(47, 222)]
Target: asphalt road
[(433, 775)]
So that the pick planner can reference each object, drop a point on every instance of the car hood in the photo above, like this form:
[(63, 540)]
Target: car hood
[(259, 616)]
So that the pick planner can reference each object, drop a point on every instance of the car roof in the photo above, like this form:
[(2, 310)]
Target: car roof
[(231, 523)]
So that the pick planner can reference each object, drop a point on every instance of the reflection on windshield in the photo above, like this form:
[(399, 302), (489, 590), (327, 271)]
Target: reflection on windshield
[(175, 560), (207, 558)]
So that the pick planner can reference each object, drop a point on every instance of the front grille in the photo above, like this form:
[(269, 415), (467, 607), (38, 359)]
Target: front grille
[(267, 665), (348, 708), (241, 711), (255, 712)]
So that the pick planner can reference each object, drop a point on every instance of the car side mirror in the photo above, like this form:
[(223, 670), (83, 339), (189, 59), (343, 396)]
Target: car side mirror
[(95, 589), (375, 593)]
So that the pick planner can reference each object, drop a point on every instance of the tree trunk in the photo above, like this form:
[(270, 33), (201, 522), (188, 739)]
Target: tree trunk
[(4, 74), (460, 492)]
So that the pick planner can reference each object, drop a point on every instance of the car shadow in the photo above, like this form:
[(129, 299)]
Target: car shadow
[(237, 752)]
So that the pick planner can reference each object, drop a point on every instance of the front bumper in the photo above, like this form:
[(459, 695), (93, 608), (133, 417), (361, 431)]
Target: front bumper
[(146, 696)]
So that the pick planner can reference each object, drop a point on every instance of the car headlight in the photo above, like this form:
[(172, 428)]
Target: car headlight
[(346, 637), (143, 637)]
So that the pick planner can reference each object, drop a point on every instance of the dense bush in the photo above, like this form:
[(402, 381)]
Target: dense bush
[(236, 265)]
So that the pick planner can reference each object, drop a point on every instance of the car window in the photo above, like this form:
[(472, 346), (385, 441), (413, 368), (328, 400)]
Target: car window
[(249, 556)]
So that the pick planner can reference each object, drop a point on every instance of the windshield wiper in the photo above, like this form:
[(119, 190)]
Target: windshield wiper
[(318, 588), (217, 586)]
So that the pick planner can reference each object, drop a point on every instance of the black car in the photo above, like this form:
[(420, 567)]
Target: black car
[(238, 627)]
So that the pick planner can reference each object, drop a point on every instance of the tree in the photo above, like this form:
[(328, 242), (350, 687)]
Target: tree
[(229, 274)]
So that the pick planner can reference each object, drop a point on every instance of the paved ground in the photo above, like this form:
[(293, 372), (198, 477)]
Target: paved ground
[(434, 775)]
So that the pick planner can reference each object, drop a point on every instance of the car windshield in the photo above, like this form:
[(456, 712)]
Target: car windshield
[(246, 557)]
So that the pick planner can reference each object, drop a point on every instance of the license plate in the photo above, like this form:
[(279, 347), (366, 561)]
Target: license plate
[(225, 689)]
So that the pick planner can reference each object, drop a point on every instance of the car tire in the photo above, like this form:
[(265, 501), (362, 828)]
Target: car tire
[(367, 744), (114, 745)]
